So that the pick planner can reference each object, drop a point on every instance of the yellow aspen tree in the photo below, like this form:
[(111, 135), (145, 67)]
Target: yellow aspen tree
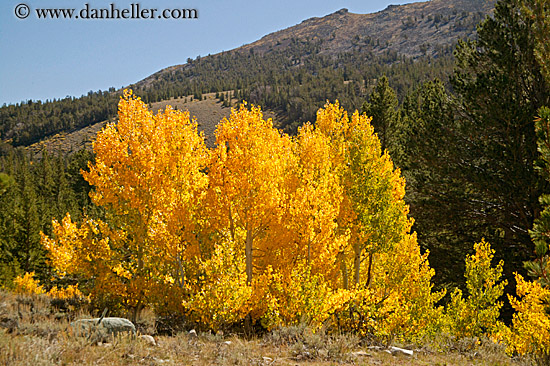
[(333, 122), (530, 330), (404, 275), (395, 289), (373, 209), (222, 296), (478, 313), (85, 251), (305, 264), (148, 175), (376, 193), (247, 191), (26, 284), (315, 201)]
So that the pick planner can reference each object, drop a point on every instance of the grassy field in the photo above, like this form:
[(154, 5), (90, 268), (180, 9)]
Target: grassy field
[(36, 331)]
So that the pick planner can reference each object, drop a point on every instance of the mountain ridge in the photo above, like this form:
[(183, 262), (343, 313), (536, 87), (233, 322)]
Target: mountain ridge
[(437, 24), (439, 17)]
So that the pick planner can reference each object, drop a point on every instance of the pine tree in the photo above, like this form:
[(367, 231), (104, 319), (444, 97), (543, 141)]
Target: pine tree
[(539, 12), (426, 155), (488, 143), (9, 267), (539, 268), (29, 252), (500, 87), (6, 182), (382, 107)]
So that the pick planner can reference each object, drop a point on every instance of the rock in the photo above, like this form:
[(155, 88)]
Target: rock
[(148, 339), (193, 333), (361, 354), (102, 328), (227, 343), (395, 350)]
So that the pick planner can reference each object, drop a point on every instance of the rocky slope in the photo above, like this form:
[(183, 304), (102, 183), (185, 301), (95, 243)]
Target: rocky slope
[(412, 30)]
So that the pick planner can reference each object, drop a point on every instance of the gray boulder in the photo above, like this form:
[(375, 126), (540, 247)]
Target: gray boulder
[(101, 328)]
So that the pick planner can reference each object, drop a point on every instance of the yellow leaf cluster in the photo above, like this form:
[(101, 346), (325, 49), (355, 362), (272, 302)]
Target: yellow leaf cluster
[(222, 296), (148, 175), (530, 331), (26, 284), (64, 293), (478, 313)]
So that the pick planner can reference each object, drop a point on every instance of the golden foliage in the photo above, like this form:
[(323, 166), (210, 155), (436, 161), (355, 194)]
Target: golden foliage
[(247, 190), (220, 296), (64, 293), (478, 313), (263, 227), (26, 284), (148, 175), (530, 331), (390, 291)]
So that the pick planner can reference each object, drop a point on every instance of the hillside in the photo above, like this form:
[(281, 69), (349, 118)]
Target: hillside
[(291, 72), (419, 29), (207, 112), (412, 30)]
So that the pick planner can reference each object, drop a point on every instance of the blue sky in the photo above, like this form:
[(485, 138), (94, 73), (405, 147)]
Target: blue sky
[(44, 59)]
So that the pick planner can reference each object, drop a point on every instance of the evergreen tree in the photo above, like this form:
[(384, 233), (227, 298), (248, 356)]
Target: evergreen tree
[(29, 252), (5, 183), (539, 12), (8, 264), (475, 152), (32, 193), (500, 87), (382, 107), (540, 234), (433, 192)]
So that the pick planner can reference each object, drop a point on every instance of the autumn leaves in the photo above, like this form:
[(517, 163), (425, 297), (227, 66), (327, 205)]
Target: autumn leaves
[(275, 228)]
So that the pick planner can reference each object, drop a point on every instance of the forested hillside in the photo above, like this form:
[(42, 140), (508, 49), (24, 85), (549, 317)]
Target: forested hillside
[(293, 71), (424, 213)]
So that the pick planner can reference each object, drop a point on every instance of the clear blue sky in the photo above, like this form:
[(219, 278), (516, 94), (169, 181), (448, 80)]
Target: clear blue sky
[(45, 59)]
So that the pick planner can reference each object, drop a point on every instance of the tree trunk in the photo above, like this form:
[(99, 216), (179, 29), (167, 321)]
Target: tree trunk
[(180, 273), (357, 264), (369, 271), (248, 254), (344, 270), (309, 253), (136, 311), (231, 224)]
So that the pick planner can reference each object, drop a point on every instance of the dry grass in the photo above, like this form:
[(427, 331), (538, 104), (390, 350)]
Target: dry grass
[(208, 112), (34, 333)]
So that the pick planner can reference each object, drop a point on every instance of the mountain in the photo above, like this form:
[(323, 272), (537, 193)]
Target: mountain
[(412, 30), (417, 29), (291, 72)]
